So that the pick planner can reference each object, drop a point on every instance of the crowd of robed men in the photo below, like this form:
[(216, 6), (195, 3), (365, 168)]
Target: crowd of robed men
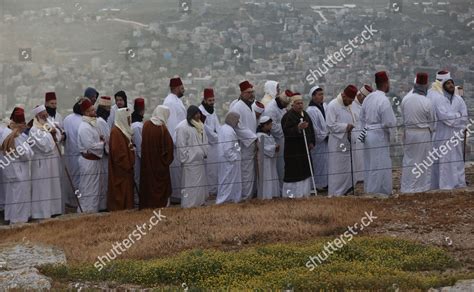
[(106, 157)]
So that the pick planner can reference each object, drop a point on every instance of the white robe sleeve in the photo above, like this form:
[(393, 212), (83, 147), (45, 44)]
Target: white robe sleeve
[(22, 141), (319, 125), (86, 138), (230, 147), (211, 128), (137, 140), (44, 142), (269, 146), (336, 128)]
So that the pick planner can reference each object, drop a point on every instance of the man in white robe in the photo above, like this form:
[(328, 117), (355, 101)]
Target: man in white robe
[(268, 183), (272, 90), (177, 115), (71, 152), (103, 112), (91, 146), (120, 102), (320, 153), (137, 127), (275, 110), (55, 118), (341, 121), (452, 118), (51, 107), (418, 117), (16, 180), (248, 123), (191, 145), (211, 126), (230, 178), (2, 189), (378, 117), (46, 194), (358, 146)]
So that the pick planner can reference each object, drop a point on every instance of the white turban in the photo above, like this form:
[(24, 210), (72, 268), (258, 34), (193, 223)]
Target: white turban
[(264, 119), (312, 90), (38, 109), (442, 76)]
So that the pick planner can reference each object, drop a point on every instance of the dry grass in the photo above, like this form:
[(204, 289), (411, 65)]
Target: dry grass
[(428, 218), (225, 227)]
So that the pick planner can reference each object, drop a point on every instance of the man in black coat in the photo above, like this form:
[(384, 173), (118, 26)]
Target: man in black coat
[(297, 180)]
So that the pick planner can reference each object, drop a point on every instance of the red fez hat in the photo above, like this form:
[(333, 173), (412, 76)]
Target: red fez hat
[(351, 91), (139, 103), (18, 115), (245, 85), (369, 88), (175, 82), (85, 105), (50, 96), (381, 77), (289, 93), (422, 78), (208, 92)]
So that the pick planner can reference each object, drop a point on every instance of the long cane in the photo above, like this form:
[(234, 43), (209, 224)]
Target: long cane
[(465, 143), (309, 158), (352, 166), (69, 177)]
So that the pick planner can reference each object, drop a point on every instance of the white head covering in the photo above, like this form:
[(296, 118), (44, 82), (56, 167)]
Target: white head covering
[(270, 88), (121, 122), (160, 115), (264, 119), (443, 76), (312, 90), (257, 107), (38, 109)]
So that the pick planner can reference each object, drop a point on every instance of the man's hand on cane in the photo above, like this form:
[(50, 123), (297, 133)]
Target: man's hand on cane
[(303, 125)]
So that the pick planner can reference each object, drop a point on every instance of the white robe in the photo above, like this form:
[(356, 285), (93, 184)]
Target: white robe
[(338, 117), (268, 184), (192, 151), (377, 115), (248, 121), (358, 147), (58, 120), (111, 118), (177, 115), (2, 187), (46, 194), (104, 130), (17, 181), (90, 170), (65, 184), (211, 126), (418, 117), (320, 153), (229, 176), (71, 154), (137, 128), (275, 113), (448, 170), (297, 190)]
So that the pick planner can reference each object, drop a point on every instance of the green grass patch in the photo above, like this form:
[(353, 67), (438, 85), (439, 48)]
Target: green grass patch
[(364, 263)]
